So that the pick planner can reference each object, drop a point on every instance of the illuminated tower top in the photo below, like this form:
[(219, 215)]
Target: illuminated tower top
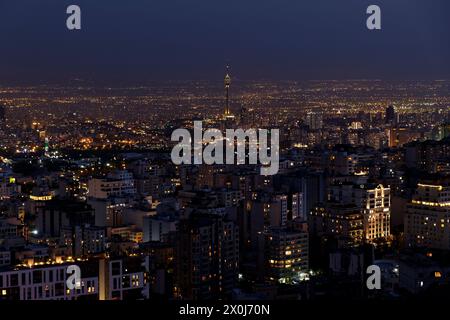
[(227, 82)]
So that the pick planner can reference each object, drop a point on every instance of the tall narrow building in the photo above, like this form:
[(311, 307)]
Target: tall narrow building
[(227, 82), (391, 115), (207, 257), (2, 116)]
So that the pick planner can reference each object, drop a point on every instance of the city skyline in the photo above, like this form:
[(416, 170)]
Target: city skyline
[(139, 161), (362, 182)]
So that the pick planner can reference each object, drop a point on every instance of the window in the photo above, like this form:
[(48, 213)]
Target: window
[(59, 289), (37, 276), (115, 268), (61, 275), (14, 280), (125, 281)]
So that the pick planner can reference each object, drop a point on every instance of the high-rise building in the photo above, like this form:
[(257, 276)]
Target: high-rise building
[(314, 120), (156, 226), (286, 254), (343, 162), (295, 207), (267, 210), (391, 116), (345, 222), (400, 136), (427, 220), (311, 186), (84, 239), (206, 257), (427, 155), (2, 115), (374, 203), (56, 214), (108, 212)]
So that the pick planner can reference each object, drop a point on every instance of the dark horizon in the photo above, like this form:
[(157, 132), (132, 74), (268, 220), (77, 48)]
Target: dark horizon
[(238, 84), (177, 40)]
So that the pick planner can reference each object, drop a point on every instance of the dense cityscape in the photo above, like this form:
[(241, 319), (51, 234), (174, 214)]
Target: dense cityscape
[(86, 179)]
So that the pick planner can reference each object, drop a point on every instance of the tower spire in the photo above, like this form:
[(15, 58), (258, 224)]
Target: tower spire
[(227, 82)]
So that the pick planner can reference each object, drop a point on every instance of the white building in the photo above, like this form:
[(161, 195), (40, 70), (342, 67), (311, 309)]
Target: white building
[(116, 184), (100, 280), (43, 283), (374, 202)]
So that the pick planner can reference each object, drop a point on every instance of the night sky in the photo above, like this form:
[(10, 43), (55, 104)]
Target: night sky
[(146, 40)]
